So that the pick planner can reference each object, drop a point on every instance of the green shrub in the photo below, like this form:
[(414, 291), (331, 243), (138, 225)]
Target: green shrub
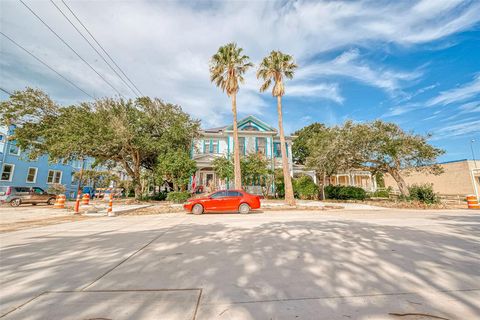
[(159, 196), (279, 185), (345, 193), (56, 188), (178, 197), (423, 193), (382, 193), (305, 189)]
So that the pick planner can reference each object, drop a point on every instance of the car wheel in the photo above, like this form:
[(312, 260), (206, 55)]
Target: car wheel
[(51, 201), (15, 202), (244, 208), (197, 209)]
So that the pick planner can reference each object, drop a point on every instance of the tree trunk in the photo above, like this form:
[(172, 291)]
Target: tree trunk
[(321, 182), (138, 190), (137, 185), (402, 186), (289, 198), (236, 147)]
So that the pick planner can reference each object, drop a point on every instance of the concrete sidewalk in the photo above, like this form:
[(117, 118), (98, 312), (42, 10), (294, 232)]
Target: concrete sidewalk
[(339, 264)]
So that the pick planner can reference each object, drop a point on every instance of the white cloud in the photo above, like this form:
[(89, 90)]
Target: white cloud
[(165, 46), (464, 127), (349, 64), (461, 93), (470, 107), (322, 90), (401, 109)]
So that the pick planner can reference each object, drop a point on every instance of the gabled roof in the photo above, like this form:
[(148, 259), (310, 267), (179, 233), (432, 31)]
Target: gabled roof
[(215, 130), (252, 121)]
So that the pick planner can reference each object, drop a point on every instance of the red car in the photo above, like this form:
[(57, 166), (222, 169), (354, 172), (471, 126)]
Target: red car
[(222, 201)]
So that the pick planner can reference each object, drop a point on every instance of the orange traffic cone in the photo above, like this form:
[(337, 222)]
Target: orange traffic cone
[(60, 202), (472, 202), (77, 204), (110, 206), (86, 199)]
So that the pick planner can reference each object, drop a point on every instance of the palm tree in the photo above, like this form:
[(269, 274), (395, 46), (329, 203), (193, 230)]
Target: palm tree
[(274, 68), (227, 67)]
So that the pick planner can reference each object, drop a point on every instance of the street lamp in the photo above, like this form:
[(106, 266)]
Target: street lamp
[(473, 153)]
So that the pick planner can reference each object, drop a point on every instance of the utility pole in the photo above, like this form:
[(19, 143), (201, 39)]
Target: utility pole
[(473, 153)]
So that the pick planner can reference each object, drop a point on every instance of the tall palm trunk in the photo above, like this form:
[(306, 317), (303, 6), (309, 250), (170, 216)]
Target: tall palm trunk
[(289, 199), (236, 147)]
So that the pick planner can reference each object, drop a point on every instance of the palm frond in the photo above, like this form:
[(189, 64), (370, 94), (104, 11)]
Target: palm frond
[(275, 67), (227, 67)]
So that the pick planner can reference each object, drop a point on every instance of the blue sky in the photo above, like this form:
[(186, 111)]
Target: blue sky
[(415, 63)]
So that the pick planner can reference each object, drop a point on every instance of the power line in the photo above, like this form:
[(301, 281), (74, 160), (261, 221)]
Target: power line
[(7, 92), (65, 43), (103, 49), (45, 64), (93, 47)]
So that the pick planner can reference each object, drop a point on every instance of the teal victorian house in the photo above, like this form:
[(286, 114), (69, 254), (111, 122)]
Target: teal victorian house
[(255, 136)]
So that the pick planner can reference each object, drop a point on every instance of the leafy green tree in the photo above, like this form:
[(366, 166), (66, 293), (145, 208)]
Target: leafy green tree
[(255, 168), (301, 147), (223, 168), (130, 133), (378, 146), (274, 68), (227, 67), (390, 149), (177, 167)]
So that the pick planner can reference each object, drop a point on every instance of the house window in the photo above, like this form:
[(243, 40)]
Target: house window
[(277, 152), (214, 146), (74, 178), (1, 137), (32, 175), (13, 149), (206, 146), (262, 145), (7, 172), (54, 176), (241, 144)]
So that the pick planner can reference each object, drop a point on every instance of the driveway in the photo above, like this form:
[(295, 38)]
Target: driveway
[(339, 264)]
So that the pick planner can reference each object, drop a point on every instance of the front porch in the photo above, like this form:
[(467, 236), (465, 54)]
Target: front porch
[(361, 179)]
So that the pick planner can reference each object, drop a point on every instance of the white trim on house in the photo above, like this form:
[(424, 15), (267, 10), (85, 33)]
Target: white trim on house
[(10, 145), (11, 172), (34, 177), (53, 176)]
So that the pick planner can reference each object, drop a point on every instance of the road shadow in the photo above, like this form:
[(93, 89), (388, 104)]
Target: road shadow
[(235, 264)]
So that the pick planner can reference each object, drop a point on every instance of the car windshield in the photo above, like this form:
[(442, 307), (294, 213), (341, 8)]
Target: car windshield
[(3, 191)]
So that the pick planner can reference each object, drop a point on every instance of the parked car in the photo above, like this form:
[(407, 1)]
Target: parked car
[(223, 201), (18, 195)]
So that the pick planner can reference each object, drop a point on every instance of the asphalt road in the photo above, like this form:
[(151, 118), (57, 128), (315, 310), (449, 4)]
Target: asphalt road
[(384, 264)]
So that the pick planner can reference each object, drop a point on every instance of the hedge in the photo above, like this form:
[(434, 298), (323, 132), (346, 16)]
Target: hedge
[(345, 193), (423, 193), (305, 189), (178, 197)]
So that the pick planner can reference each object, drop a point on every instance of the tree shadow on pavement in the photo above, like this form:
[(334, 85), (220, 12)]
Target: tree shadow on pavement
[(258, 268)]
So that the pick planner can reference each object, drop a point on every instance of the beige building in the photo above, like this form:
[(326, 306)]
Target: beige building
[(461, 177)]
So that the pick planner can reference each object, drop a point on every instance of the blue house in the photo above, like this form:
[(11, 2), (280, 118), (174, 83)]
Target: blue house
[(17, 170)]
